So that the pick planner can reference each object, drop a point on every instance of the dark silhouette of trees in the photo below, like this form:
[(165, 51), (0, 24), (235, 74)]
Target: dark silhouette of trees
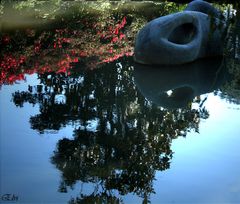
[(120, 139)]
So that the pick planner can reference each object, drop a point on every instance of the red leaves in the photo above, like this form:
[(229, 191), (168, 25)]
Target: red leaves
[(75, 60), (60, 41), (6, 40), (83, 54), (96, 44), (9, 67), (114, 32), (64, 65), (123, 23), (13, 78), (9, 62), (37, 47), (120, 26), (117, 56), (117, 31), (121, 36)]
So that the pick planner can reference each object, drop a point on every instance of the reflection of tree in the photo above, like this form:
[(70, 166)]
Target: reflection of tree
[(96, 198), (231, 90), (126, 155), (120, 138)]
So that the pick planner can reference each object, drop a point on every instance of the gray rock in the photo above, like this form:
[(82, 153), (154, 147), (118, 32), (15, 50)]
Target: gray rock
[(181, 37), (204, 7)]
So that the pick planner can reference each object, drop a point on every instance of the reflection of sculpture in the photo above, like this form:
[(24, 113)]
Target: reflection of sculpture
[(181, 37), (176, 86)]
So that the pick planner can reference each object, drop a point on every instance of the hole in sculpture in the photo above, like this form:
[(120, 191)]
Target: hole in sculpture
[(183, 34)]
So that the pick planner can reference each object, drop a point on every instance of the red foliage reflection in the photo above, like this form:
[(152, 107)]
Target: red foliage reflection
[(9, 65), (57, 50), (6, 39)]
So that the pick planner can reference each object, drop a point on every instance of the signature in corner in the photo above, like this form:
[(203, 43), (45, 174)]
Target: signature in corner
[(9, 197)]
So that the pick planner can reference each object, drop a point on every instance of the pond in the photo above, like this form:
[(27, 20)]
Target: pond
[(80, 122)]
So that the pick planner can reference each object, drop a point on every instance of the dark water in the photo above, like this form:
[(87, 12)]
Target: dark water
[(80, 123)]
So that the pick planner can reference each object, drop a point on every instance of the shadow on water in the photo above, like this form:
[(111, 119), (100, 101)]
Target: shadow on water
[(120, 138)]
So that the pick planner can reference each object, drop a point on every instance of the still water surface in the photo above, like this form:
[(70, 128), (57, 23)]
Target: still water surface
[(98, 137), (80, 122)]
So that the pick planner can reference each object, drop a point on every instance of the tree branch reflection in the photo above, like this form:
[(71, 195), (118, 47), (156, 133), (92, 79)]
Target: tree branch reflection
[(120, 138)]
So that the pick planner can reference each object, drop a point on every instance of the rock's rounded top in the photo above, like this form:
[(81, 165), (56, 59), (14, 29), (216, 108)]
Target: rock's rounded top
[(203, 7)]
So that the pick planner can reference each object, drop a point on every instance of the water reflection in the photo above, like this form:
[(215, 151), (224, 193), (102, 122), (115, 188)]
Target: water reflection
[(120, 139), (121, 136), (177, 86)]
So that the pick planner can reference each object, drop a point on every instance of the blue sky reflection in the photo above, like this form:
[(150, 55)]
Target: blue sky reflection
[(205, 166)]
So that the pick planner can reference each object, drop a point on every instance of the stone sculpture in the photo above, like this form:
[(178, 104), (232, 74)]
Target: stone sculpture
[(181, 37)]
